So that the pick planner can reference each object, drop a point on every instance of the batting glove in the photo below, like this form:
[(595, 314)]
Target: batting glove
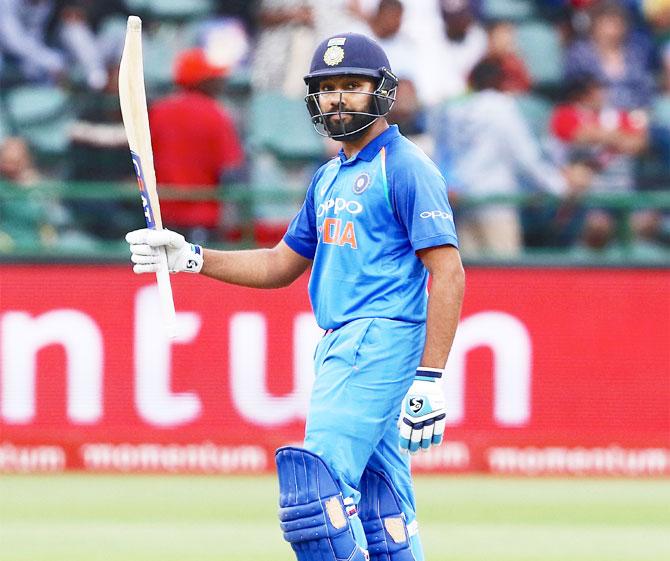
[(145, 245), (422, 417)]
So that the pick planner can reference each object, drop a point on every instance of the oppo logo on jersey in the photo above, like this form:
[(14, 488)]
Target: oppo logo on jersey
[(339, 205), (436, 214)]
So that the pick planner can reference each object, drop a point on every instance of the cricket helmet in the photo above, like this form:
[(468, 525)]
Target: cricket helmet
[(350, 54)]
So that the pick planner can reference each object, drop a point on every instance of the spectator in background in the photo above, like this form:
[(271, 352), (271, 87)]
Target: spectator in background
[(23, 40), (485, 147), (195, 145), (340, 16), (80, 32), (16, 163), (610, 138), (99, 152), (443, 64), (618, 59), (385, 25), (98, 142), (285, 43), (27, 28), (657, 15), (243, 10), (25, 220), (502, 45)]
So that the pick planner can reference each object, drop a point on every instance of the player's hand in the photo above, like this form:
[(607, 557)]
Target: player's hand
[(422, 417), (146, 244)]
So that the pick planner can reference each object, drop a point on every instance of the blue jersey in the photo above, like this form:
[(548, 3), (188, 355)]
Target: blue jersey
[(362, 222)]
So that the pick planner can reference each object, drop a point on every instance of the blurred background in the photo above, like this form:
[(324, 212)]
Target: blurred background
[(550, 120)]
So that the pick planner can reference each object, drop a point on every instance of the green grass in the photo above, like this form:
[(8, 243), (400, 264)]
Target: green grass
[(184, 518)]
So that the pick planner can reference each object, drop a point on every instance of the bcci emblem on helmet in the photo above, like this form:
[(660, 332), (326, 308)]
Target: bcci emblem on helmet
[(333, 55)]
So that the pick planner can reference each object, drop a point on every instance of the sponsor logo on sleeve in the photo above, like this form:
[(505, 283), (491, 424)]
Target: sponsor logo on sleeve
[(437, 215)]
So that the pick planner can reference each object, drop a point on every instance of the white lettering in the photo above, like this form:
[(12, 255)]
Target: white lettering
[(205, 457), (451, 455), (436, 214), (27, 459), (23, 336), (511, 345), (154, 400), (248, 364), (611, 460), (339, 205)]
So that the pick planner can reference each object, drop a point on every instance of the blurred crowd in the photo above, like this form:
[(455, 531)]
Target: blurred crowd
[(528, 107)]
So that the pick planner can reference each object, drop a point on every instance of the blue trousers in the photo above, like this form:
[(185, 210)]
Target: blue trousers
[(363, 371)]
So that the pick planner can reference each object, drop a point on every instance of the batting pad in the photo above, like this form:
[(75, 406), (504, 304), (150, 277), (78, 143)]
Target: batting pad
[(311, 509), (383, 520)]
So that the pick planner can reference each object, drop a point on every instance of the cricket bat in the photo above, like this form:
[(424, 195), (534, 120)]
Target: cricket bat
[(136, 122)]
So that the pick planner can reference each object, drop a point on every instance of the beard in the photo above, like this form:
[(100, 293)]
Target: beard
[(351, 129)]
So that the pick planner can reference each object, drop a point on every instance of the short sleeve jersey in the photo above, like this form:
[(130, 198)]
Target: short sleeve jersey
[(362, 222)]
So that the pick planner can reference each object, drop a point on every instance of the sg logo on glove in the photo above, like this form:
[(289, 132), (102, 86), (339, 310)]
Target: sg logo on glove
[(415, 404), (422, 416)]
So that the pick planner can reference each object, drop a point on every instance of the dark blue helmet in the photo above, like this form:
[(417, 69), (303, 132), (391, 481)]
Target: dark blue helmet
[(355, 55)]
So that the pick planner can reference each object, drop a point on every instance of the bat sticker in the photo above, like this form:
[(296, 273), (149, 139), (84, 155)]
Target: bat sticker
[(146, 202)]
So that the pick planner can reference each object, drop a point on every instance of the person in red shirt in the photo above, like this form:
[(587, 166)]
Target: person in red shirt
[(195, 144), (608, 139), (586, 122)]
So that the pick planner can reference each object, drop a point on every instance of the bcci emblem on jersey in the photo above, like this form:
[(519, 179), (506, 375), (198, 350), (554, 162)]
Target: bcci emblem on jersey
[(361, 183)]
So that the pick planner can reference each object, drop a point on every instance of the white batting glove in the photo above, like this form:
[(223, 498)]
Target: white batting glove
[(145, 245), (422, 417)]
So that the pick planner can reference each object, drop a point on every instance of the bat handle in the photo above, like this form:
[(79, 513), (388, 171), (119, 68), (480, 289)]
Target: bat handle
[(165, 295)]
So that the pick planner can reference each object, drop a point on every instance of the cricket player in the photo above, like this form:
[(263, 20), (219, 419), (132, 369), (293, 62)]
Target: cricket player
[(374, 224)]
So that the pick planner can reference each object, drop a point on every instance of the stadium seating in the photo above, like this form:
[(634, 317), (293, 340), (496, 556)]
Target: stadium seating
[(42, 114), (169, 9), (183, 10), (160, 47), (660, 111), (514, 10), (280, 126), (540, 48)]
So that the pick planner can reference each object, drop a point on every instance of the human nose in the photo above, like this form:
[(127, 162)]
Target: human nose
[(331, 100)]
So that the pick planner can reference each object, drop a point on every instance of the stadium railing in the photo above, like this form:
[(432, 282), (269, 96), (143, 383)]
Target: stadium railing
[(95, 196)]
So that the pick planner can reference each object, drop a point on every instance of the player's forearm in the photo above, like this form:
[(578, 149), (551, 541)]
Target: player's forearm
[(255, 268), (444, 309)]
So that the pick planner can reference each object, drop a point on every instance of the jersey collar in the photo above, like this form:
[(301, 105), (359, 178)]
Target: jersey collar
[(371, 149)]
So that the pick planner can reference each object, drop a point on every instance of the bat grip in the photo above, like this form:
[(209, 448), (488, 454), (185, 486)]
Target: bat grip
[(165, 295)]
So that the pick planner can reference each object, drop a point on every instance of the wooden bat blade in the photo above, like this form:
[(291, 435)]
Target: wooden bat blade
[(132, 97)]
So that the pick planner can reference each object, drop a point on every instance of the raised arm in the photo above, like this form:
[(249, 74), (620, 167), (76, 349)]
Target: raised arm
[(256, 268)]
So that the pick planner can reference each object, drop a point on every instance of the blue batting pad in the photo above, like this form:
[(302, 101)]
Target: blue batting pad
[(383, 520), (311, 509)]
